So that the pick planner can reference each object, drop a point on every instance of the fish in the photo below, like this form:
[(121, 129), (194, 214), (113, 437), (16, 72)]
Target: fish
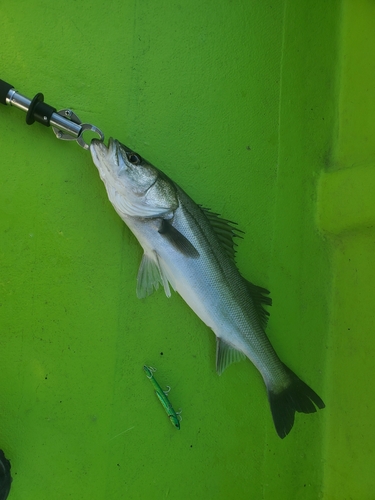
[(162, 396), (191, 249)]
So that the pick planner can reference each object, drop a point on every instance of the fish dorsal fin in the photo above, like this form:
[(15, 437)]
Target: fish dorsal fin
[(226, 355), (225, 231), (150, 275), (260, 297)]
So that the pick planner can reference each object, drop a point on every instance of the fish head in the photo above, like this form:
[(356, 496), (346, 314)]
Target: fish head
[(140, 188)]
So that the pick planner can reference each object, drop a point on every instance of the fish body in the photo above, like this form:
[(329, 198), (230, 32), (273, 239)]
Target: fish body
[(191, 249), (162, 396)]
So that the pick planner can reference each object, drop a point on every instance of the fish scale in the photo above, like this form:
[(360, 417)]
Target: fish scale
[(229, 288)]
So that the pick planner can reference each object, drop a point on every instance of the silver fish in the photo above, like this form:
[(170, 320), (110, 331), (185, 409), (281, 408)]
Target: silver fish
[(191, 249)]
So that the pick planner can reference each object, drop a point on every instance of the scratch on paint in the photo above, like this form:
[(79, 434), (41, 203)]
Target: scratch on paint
[(123, 432)]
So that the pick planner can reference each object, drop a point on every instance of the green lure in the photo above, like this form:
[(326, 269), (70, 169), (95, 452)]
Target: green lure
[(173, 416)]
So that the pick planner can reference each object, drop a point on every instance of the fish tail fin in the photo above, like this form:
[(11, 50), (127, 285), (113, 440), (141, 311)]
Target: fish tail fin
[(297, 396)]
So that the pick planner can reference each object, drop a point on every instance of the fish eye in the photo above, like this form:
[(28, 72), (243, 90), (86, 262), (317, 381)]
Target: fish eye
[(134, 158)]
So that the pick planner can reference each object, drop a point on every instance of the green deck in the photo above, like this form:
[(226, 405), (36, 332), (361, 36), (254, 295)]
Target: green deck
[(262, 111)]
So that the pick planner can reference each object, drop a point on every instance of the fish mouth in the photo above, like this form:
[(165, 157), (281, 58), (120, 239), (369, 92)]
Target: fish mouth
[(99, 145), (112, 145), (100, 152)]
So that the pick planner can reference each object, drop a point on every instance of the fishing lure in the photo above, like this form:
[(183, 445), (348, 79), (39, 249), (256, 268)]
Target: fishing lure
[(162, 395)]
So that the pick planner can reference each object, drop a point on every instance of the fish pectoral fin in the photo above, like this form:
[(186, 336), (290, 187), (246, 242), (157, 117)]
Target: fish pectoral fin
[(150, 275), (226, 355), (177, 240)]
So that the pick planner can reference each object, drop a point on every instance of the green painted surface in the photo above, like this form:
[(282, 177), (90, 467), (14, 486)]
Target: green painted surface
[(346, 208), (237, 102)]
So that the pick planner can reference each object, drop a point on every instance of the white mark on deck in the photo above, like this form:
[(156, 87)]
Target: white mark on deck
[(123, 432)]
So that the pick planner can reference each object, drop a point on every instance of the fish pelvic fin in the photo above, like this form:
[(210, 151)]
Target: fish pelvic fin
[(226, 355), (297, 396), (150, 275)]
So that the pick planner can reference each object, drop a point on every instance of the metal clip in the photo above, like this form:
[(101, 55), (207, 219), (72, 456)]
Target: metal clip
[(66, 135), (65, 124)]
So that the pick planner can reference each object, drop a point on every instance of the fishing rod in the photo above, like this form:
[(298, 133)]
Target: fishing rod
[(65, 124)]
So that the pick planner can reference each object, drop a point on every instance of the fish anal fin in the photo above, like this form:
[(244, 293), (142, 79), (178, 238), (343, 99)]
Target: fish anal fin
[(177, 239), (260, 297), (150, 275), (226, 355)]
